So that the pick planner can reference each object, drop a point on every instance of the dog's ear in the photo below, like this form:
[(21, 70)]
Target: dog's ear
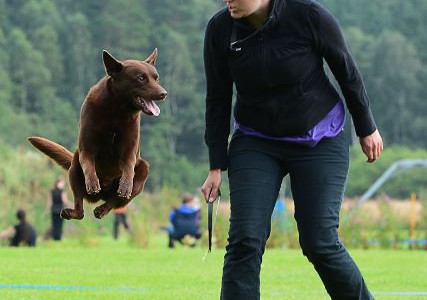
[(112, 65), (153, 57)]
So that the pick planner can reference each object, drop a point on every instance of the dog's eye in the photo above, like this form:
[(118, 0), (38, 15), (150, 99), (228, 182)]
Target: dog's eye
[(141, 78)]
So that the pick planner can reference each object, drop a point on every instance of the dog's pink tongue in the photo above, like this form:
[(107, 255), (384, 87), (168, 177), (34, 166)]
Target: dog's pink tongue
[(152, 107)]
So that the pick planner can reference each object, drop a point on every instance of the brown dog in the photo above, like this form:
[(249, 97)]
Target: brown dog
[(107, 163)]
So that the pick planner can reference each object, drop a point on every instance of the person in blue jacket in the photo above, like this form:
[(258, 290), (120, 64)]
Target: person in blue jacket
[(185, 221), (289, 119)]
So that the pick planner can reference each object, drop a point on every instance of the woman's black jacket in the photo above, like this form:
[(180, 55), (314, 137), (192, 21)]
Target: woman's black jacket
[(282, 88)]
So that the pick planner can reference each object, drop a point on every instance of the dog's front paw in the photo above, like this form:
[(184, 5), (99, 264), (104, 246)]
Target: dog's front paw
[(125, 188), (92, 186)]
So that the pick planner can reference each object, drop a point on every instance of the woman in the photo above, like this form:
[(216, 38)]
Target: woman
[(57, 200), (288, 120)]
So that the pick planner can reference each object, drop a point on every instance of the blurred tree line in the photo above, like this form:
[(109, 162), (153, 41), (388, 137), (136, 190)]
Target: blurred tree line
[(50, 54)]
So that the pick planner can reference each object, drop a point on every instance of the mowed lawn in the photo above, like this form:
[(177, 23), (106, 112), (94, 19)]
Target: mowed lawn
[(115, 270)]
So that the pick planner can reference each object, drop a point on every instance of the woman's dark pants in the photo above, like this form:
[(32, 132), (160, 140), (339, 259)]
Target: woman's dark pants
[(318, 176), (57, 223), (119, 218)]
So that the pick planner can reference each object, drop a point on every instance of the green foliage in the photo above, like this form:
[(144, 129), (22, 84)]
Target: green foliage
[(14, 135), (380, 224), (50, 54), (26, 178), (284, 232), (395, 86), (140, 229), (363, 175), (5, 82), (387, 38)]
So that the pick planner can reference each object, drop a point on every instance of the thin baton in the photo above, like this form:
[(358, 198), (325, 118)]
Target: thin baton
[(210, 212)]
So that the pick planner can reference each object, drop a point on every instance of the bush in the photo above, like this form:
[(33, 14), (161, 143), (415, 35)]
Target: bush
[(26, 178), (362, 175)]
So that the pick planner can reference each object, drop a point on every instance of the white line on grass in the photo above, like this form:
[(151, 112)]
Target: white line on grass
[(402, 293), (419, 293), (70, 287), (136, 289)]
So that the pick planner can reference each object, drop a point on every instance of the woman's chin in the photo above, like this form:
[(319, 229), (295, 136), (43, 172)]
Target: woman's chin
[(236, 15)]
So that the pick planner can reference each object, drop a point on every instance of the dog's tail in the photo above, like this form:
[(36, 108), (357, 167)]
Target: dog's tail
[(58, 153)]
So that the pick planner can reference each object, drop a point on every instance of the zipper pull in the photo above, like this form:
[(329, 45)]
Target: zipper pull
[(233, 48)]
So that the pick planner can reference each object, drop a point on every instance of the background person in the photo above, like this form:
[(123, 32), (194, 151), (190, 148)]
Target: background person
[(20, 234), (185, 221), (288, 120), (56, 201), (120, 218), (279, 213)]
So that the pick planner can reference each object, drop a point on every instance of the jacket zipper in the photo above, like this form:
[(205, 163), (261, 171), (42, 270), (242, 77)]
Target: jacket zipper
[(263, 58)]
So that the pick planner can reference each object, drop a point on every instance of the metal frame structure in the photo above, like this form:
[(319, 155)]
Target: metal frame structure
[(399, 165)]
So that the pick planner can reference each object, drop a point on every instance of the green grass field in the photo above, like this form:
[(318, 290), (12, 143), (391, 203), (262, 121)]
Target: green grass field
[(115, 270)]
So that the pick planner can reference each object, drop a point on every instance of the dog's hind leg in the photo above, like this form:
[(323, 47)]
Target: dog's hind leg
[(77, 183), (141, 174), (102, 210), (114, 201)]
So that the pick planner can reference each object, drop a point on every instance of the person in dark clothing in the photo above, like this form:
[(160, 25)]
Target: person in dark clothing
[(185, 221), (289, 119), (20, 234), (57, 200), (120, 217)]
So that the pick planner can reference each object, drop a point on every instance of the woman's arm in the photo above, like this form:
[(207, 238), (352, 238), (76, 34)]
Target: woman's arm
[(48, 202), (8, 233), (218, 95), (210, 188), (64, 198), (219, 91), (372, 146), (329, 41)]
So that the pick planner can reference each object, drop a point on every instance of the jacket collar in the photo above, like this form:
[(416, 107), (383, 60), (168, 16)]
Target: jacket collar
[(276, 12), (278, 7)]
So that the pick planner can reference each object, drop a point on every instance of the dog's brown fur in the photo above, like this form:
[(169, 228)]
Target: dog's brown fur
[(107, 164)]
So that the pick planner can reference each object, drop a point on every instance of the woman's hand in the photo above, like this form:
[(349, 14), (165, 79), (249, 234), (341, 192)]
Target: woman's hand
[(372, 146), (211, 186)]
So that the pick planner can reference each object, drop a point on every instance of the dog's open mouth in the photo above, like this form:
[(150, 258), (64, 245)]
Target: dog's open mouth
[(148, 106)]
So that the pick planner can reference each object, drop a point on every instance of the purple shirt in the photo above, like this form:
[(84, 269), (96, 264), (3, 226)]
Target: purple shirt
[(330, 126)]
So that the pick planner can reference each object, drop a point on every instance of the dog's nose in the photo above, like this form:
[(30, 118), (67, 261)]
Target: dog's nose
[(163, 95)]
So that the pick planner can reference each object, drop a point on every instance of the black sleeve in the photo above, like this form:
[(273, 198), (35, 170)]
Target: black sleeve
[(218, 97), (329, 41)]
